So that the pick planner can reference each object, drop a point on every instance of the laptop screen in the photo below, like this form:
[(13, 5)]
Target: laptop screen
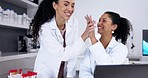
[(121, 71)]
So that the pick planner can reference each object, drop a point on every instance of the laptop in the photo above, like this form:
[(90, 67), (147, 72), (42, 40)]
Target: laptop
[(121, 71)]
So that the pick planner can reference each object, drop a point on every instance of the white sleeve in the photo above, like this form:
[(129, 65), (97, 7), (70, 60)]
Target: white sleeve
[(85, 67), (53, 47), (71, 68), (74, 50), (118, 55)]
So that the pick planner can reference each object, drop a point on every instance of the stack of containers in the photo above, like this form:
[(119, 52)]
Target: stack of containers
[(18, 74), (12, 18)]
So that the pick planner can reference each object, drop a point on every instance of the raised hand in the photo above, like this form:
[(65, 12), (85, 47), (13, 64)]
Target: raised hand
[(89, 31), (90, 26)]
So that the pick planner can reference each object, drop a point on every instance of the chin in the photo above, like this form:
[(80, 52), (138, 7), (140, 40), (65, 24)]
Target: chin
[(98, 31), (67, 18)]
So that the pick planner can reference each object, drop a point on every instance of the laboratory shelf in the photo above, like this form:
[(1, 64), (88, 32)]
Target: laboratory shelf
[(22, 3), (2, 24)]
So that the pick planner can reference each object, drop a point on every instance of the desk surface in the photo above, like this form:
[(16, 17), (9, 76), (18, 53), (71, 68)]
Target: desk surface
[(138, 62)]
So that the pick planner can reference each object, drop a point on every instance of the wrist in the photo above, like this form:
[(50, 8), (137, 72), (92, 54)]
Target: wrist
[(84, 37), (93, 40)]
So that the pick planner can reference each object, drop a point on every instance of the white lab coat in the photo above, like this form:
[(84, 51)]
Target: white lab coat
[(52, 52), (115, 53)]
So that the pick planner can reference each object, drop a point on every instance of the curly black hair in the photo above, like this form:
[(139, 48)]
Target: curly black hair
[(45, 12), (123, 26)]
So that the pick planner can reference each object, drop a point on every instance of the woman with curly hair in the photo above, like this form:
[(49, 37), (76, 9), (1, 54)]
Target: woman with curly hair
[(57, 32), (110, 47)]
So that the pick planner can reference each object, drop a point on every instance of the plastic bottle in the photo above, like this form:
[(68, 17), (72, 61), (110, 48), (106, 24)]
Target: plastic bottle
[(5, 16), (20, 19), (15, 18), (24, 19), (24, 76), (8, 13), (13, 72), (12, 17), (1, 13)]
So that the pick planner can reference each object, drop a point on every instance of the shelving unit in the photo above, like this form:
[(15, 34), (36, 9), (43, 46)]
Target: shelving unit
[(30, 6), (9, 32), (13, 25), (31, 9), (13, 30)]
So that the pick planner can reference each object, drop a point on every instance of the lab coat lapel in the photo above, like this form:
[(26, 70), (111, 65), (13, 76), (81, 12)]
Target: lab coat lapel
[(111, 45), (56, 31), (68, 29)]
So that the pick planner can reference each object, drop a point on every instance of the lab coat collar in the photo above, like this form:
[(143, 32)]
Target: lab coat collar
[(54, 26), (112, 43), (68, 27)]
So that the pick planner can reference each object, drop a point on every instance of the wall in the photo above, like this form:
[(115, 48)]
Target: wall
[(135, 10)]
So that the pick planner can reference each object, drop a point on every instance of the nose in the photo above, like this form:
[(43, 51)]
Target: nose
[(99, 23), (70, 8)]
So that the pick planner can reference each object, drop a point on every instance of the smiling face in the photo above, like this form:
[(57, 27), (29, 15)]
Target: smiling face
[(105, 25), (64, 9)]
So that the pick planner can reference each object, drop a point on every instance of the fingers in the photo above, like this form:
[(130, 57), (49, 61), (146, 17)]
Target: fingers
[(88, 18), (90, 24), (91, 27)]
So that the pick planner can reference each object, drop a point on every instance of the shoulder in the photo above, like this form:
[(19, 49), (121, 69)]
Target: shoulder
[(121, 45), (49, 24), (117, 44)]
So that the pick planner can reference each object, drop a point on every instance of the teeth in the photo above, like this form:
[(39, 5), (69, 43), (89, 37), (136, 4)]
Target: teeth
[(99, 27), (67, 13)]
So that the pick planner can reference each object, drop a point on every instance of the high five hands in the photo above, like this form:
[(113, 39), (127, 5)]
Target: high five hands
[(91, 29), (90, 26)]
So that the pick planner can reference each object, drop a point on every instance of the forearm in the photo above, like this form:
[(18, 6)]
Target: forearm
[(93, 39), (84, 36)]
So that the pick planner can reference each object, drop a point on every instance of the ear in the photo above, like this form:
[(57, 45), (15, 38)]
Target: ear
[(54, 5), (114, 27)]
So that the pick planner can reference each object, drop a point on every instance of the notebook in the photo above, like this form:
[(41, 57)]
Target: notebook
[(121, 71)]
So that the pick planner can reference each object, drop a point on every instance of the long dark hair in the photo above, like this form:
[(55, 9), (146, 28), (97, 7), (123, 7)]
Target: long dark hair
[(45, 12), (123, 26)]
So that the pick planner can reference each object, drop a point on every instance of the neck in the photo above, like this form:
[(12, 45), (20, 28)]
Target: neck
[(105, 39), (60, 23)]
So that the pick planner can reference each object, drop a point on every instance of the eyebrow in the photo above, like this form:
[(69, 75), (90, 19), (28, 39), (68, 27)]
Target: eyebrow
[(69, 2), (102, 18)]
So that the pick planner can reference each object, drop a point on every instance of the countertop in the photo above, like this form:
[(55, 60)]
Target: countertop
[(15, 55)]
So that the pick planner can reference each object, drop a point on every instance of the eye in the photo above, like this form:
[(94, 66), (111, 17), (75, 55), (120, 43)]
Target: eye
[(66, 4), (73, 6), (104, 20)]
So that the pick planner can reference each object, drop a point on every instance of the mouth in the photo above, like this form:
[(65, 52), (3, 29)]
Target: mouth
[(68, 14), (99, 27)]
